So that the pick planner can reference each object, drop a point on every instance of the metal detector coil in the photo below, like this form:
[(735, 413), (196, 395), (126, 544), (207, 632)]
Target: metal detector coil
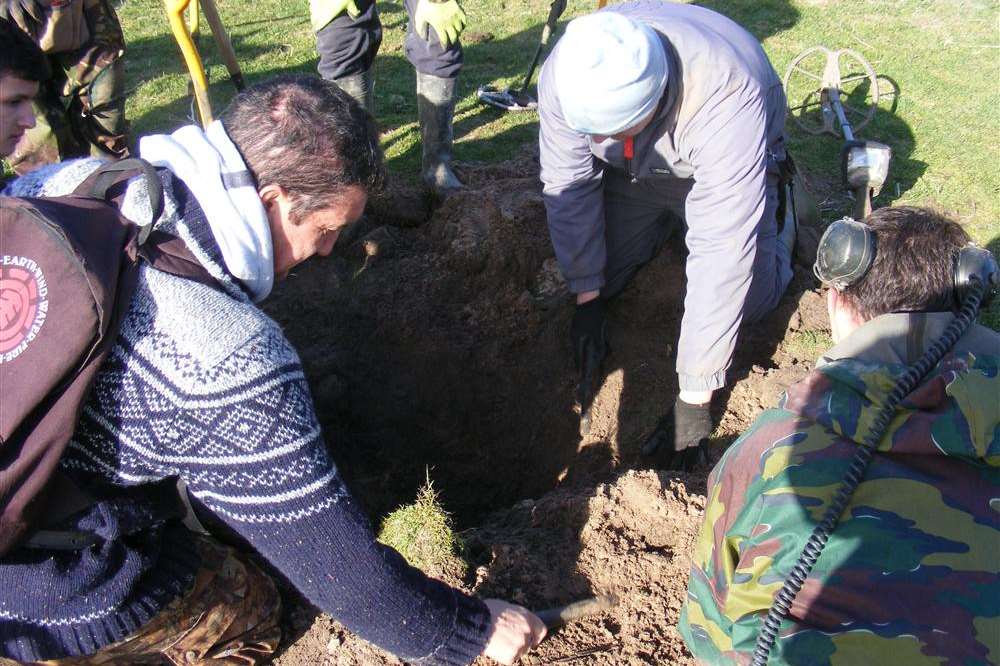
[(826, 91), (509, 99), (506, 99)]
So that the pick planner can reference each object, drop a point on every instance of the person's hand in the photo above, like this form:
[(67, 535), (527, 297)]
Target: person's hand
[(445, 16), (513, 631), (29, 15), (588, 334), (322, 12), (680, 439)]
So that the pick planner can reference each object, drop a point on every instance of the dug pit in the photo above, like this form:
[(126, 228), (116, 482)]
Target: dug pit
[(436, 342)]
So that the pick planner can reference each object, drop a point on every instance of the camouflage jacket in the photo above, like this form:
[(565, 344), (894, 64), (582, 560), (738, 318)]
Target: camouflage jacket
[(911, 575)]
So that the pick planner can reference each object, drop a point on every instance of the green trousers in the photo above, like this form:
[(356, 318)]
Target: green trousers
[(80, 111)]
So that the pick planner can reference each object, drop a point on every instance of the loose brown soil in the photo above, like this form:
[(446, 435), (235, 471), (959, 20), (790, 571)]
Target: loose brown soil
[(438, 340)]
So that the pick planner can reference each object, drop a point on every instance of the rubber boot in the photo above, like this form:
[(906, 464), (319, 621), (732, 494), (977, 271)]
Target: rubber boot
[(361, 88), (789, 225), (436, 109), (807, 223)]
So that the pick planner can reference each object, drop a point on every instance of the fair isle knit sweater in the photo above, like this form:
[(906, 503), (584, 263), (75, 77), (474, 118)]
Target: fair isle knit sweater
[(203, 386)]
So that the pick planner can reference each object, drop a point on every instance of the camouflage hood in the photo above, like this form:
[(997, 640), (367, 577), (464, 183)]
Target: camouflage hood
[(954, 411)]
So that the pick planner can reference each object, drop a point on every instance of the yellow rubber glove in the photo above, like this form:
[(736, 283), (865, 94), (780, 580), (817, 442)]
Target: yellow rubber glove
[(322, 12), (447, 19)]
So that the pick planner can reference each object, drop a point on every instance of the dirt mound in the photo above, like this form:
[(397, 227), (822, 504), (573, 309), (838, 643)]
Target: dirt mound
[(630, 537), (444, 345)]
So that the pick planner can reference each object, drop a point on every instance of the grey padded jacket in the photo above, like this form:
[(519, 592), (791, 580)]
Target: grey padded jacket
[(720, 123)]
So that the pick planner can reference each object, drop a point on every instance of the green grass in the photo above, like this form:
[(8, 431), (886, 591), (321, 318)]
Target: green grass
[(422, 532), (942, 54), (809, 344)]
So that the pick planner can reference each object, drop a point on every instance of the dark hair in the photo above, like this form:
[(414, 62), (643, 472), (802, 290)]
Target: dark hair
[(307, 136), (915, 253), (20, 56)]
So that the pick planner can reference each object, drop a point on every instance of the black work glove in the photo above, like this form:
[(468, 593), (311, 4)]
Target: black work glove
[(680, 440), (588, 334)]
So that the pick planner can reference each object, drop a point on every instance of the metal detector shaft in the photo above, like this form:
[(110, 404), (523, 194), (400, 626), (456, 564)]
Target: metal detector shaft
[(555, 11), (838, 108), (557, 617)]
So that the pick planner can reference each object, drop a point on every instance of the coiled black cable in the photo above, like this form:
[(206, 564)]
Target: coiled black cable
[(856, 472)]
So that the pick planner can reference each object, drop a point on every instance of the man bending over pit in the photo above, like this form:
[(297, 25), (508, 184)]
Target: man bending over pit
[(658, 117), (911, 574), (204, 387)]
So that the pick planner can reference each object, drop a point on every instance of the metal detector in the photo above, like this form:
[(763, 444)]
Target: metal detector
[(828, 85), (509, 99)]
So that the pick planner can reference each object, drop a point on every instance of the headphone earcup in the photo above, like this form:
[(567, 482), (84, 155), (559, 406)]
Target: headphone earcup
[(975, 263)]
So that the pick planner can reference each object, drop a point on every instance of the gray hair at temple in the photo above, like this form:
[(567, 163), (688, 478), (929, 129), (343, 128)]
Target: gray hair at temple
[(307, 136)]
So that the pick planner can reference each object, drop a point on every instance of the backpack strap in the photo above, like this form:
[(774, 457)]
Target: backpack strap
[(160, 250), (169, 254), (107, 183)]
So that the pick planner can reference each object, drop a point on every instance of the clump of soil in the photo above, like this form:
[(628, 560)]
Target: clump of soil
[(631, 537), (443, 345)]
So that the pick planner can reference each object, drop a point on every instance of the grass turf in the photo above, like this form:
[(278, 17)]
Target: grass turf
[(422, 532)]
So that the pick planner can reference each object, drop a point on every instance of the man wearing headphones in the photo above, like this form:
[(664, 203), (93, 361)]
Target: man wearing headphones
[(656, 117), (910, 573)]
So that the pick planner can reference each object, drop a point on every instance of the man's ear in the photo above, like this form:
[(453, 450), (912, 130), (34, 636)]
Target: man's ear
[(277, 203), (271, 193)]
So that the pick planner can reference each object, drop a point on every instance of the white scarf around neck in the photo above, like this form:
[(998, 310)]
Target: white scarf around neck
[(211, 166)]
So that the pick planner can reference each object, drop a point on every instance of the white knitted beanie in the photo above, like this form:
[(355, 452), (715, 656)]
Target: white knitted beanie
[(610, 73)]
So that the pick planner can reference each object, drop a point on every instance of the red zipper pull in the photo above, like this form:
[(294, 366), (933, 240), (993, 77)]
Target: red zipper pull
[(629, 150)]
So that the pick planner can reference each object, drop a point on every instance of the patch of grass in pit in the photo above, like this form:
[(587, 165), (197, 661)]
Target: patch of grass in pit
[(422, 532), (809, 344)]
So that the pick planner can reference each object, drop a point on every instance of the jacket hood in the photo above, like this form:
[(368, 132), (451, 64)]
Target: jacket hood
[(954, 411), (211, 167)]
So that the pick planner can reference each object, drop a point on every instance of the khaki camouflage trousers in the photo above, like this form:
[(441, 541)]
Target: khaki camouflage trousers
[(81, 110), (230, 616)]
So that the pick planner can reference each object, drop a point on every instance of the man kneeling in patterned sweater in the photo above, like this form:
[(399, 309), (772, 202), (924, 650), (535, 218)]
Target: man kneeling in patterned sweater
[(202, 386)]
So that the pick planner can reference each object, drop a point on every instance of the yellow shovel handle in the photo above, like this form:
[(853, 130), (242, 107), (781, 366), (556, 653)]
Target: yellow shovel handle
[(175, 14), (194, 20)]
